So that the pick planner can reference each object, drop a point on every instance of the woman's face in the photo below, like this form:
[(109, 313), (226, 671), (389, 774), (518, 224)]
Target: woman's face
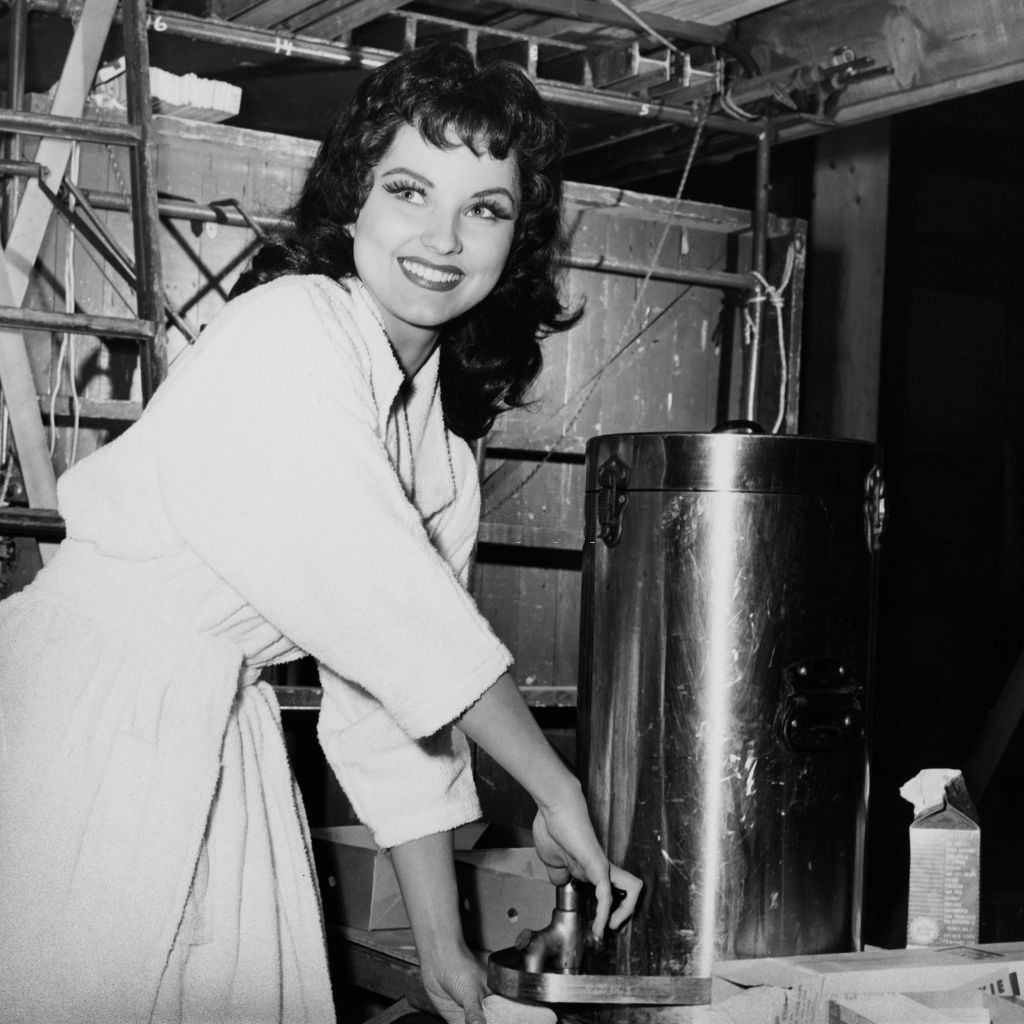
[(433, 236)]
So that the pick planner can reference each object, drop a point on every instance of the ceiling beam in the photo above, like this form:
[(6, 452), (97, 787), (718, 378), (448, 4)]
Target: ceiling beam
[(345, 17), (597, 12), (707, 12), (933, 49)]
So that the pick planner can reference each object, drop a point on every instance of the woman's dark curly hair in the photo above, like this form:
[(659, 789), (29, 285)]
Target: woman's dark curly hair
[(491, 354)]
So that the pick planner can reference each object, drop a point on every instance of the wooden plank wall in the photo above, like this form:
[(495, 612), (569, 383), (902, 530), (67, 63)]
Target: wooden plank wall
[(606, 375)]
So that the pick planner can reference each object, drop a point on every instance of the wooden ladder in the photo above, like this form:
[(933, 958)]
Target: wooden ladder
[(58, 131)]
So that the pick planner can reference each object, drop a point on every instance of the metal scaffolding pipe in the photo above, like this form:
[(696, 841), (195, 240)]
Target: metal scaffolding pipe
[(76, 323), (225, 33), (645, 110), (184, 209), (68, 128), (43, 524), (16, 60), (758, 266), (22, 168), (142, 163), (680, 275)]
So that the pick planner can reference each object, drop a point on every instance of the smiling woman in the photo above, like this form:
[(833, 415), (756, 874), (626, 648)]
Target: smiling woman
[(156, 858), (438, 101)]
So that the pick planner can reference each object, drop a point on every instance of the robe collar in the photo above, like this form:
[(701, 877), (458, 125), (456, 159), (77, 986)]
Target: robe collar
[(411, 416)]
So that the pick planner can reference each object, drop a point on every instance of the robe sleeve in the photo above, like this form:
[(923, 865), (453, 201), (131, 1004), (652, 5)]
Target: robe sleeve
[(272, 467), (401, 788)]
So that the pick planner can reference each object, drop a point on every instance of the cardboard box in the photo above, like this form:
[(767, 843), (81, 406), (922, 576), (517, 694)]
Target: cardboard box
[(358, 885), (921, 1008), (503, 887), (811, 982), (503, 892)]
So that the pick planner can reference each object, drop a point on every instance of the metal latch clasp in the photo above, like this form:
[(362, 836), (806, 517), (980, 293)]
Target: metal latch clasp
[(613, 480), (875, 512)]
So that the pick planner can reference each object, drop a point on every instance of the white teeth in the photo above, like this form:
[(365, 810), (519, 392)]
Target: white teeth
[(429, 273)]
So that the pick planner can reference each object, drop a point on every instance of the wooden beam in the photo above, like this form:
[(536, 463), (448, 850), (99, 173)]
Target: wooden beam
[(597, 12), (935, 49), (74, 86), (337, 24), (707, 12), (19, 389), (846, 271), (275, 12)]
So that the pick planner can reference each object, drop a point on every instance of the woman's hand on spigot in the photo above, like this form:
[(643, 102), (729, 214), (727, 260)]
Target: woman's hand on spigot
[(568, 847), (503, 725)]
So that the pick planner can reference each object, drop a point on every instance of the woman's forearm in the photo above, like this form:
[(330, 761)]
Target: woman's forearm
[(504, 726), (426, 873), (452, 977)]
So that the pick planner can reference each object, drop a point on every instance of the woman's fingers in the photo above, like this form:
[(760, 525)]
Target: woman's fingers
[(631, 886), (592, 867), (603, 892)]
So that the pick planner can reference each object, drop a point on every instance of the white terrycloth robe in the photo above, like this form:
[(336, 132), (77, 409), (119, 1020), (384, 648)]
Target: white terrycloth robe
[(283, 494)]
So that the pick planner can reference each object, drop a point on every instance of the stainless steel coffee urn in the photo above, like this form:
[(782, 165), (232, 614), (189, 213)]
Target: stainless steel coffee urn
[(725, 678)]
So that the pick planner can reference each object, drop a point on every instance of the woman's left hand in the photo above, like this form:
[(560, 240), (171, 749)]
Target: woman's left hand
[(456, 986)]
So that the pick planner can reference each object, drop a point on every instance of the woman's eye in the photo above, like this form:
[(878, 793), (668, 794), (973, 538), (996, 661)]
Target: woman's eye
[(489, 211), (406, 192)]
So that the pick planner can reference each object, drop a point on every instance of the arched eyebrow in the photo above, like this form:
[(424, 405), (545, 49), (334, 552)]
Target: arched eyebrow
[(497, 191), (407, 172)]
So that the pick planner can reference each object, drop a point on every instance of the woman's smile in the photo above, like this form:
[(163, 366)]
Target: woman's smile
[(433, 236), (429, 276)]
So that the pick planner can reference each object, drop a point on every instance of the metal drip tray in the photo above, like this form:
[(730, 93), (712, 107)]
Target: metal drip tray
[(507, 976)]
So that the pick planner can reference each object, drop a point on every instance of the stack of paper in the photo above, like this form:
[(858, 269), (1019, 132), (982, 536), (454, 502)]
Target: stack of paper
[(189, 96)]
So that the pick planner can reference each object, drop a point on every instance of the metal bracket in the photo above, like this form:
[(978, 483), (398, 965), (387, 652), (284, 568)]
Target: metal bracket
[(613, 480)]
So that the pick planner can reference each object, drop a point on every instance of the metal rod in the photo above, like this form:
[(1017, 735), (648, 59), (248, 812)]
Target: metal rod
[(149, 292), (185, 209), (28, 123), (612, 103), (682, 275), (44, 524), (758, 265), (173, 23), (77, 323), (219, 204), (22, 168), (16, 59)]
